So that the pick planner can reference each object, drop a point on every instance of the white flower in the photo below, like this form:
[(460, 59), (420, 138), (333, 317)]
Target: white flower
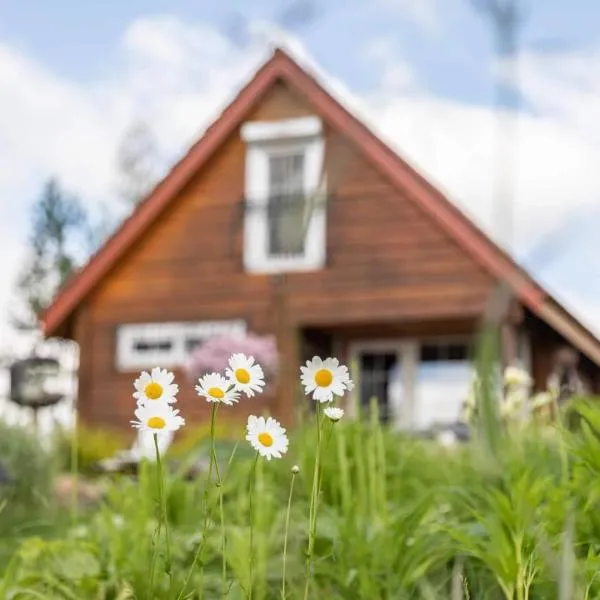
[(446, 438), (295, 469), (215, 388), (333, 413), (245, 375), (324, 378), (157, 385), (267, 437), (157, 417), (514, 376), (542, 399)]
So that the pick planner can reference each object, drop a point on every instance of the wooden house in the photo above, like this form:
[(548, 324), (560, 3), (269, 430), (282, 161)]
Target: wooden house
[(289, 216)]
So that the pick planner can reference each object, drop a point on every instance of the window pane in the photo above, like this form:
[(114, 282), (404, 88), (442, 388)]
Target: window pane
[(377, 380), (143, 345), (444, 376), (286, 211)]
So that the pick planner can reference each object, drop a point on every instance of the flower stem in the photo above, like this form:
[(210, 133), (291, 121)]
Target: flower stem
[(222, 517), (285, 539), (252, 486), (312, 519), (163, 511), (156, 542), (202, 542), (157, 532)]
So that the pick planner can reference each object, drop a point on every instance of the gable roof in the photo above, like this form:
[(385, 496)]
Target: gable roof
[(414, 187)]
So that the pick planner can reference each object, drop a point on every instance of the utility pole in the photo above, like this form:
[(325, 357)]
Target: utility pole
[(506, 17)]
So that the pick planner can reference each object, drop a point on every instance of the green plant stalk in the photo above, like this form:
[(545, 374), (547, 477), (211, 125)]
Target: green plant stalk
[(382, 473), (202, 542), (325, 447), (313, 506), (163, 512), (74, 473), (252, 486), (344, 471), (285, 538), (157, 533), (222, 518), (362, 499), (371, 457)]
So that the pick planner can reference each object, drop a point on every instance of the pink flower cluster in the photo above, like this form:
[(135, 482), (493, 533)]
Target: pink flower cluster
[(213, 355)]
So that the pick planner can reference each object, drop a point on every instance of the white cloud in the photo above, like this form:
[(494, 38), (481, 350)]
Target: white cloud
[(176, 76), (424, 13), (173, 75)]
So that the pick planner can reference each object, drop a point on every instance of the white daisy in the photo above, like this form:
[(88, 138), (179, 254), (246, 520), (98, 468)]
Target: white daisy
[(324, 378), (267, 437), (157, 417), (156, 385), (245, 375), (333, 413), (215, 388), (516, 377)]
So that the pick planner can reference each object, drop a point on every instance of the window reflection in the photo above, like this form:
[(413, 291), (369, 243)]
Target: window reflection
[(444, 374)]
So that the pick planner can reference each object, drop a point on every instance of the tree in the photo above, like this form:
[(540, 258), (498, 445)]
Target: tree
[(137, 163), (57, 219)]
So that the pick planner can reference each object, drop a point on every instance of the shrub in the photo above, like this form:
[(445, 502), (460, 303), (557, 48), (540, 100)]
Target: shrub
[(214, 354), (28, 465), (93, 445)]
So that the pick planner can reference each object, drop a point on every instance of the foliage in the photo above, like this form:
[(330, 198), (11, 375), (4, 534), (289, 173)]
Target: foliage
[(400, 518), (213, 355), (25, 501), (57, 219), (194, 438), (28, 464), (137, 163), (92, 445)]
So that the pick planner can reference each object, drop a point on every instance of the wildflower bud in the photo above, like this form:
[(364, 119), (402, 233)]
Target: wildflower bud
[(295, 469), (334, 414)]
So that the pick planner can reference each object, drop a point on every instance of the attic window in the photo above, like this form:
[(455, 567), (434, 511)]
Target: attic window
[(285, 218)]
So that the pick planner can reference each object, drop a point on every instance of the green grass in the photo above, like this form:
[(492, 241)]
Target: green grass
[(399, 518)]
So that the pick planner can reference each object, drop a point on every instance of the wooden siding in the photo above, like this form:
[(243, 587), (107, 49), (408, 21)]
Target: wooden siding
[(386, 263)]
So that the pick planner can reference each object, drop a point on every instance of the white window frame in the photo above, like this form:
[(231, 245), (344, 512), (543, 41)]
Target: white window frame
[(265, 139), (128, 359), (408, 350)]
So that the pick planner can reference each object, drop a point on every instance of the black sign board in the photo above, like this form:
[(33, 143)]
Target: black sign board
[(29, 379)]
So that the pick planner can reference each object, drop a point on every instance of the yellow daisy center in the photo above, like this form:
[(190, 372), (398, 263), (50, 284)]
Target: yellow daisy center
[(216, 392), (156, 422), (266, 439), (153, 390), (323, 377), (242, 375)]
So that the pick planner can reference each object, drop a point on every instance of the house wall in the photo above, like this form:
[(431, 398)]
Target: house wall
[(387, 263)]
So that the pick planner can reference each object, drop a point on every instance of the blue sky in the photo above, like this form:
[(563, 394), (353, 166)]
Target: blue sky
[(73, 73), (451, 54)]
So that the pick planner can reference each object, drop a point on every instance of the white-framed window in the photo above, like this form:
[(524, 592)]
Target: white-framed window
[(285, 222), (168, 345), (417, 383)]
